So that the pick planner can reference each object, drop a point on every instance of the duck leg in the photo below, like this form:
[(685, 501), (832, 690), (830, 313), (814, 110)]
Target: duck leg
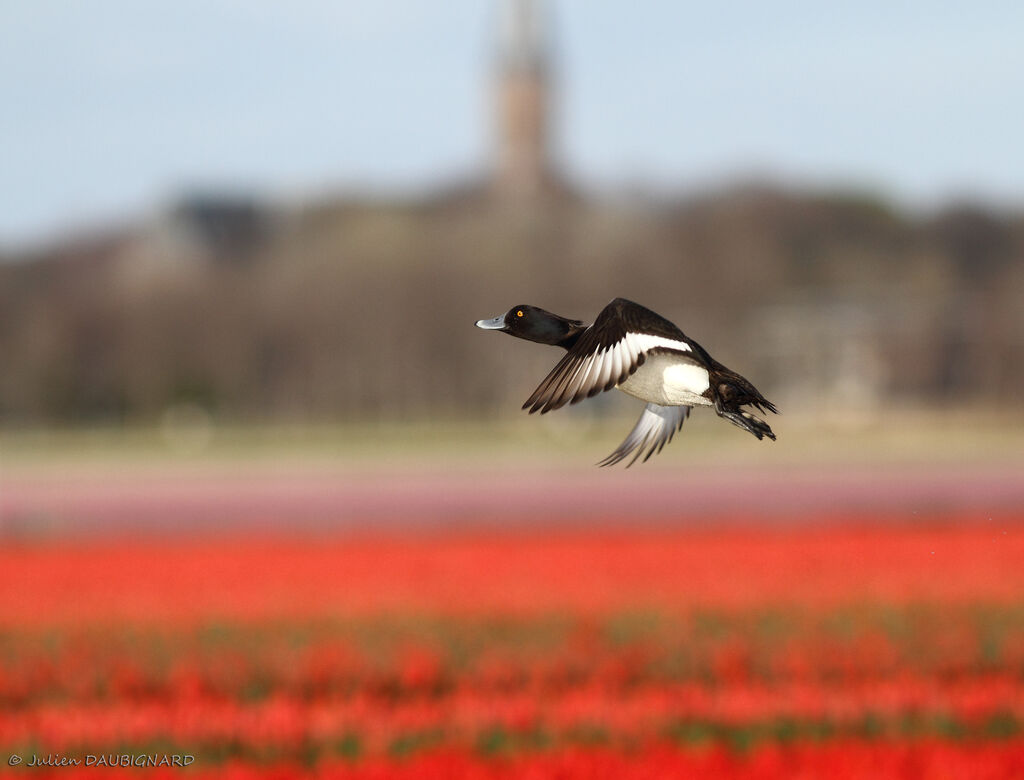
[(744, 420)]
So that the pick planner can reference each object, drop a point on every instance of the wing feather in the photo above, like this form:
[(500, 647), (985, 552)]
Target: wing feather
[(541, 395), (572, 388), (614, 367), (558, 392), (655, 428)]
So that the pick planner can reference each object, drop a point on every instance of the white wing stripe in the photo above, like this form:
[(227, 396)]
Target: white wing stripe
[(646, 342), (581, 385), (588, 378), (579, 376), (634, 347), (607, 363), (616, 368)]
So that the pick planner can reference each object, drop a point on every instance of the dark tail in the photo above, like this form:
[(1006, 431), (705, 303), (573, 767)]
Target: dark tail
[(730, 391)]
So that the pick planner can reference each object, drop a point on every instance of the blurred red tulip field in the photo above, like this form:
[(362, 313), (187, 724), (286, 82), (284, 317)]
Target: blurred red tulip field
[(861, 648)]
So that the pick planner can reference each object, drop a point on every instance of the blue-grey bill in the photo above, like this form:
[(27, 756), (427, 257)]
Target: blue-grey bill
[(494, 324)]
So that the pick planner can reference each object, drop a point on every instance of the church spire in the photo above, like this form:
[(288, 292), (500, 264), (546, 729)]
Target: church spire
[(522, 43), (522, 165)]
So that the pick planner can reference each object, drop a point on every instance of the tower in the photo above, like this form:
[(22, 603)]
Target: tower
[(522, 167)]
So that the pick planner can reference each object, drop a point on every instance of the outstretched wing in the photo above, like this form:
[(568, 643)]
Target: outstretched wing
[(655, 428), (608, 352)]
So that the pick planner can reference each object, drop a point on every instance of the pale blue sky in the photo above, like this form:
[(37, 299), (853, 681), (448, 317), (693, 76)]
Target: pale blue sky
[(112, 107)]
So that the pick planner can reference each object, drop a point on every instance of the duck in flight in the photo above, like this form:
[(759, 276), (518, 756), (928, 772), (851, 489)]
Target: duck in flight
[(642, 354)]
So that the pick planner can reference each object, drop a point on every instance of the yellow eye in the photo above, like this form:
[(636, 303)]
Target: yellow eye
[(519, 313)]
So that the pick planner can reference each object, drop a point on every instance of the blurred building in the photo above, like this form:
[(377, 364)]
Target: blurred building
[(218, 225), (831, 302)]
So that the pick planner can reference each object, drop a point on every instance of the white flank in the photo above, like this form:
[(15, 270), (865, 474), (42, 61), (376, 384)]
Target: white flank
[(669, 380), (686, 378)]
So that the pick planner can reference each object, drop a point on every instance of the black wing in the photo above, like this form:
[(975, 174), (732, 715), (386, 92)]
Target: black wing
[(608, 352)]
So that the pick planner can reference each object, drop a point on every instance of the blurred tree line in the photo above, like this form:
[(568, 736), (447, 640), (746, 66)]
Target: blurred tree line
[(359, 309)]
